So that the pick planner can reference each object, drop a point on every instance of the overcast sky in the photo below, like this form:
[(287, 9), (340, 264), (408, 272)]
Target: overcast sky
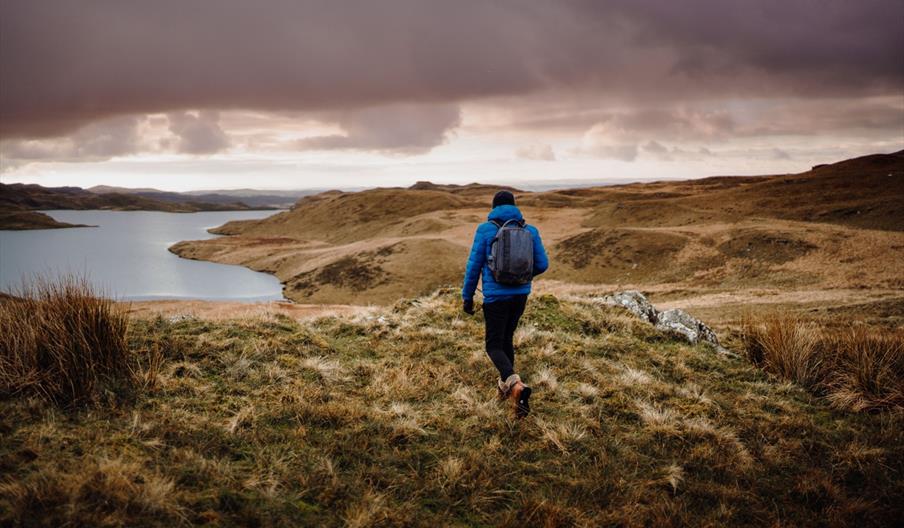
[(182, 95)]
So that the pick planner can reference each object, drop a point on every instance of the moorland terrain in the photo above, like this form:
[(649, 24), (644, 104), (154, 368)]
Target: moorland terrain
[(826, 241), (389, 418), (172, 413)]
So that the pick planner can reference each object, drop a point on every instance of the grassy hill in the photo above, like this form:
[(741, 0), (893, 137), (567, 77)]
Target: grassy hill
[(18, 220), (250, 197), (838, 227), (390, 419), (23, 197)]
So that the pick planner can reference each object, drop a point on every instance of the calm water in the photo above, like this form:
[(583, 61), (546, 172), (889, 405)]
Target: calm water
[(126, 256)]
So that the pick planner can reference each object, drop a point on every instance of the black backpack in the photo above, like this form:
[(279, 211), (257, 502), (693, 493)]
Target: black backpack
[(512, 253)]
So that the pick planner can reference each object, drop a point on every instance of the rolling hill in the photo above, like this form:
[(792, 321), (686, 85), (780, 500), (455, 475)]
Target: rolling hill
[(838, 227), (253, 198), (18, 203), (32, 196), (390, 419), (386, 415)]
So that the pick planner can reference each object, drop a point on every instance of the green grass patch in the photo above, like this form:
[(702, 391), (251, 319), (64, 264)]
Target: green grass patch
[(391, 420)]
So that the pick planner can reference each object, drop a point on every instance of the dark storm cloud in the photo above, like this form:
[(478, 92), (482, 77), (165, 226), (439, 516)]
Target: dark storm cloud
[(64, 64), (100, 140), (401, 129), (672, 124), (845, 43)]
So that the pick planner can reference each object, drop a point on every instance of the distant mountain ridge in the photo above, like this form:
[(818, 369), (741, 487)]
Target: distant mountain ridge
[(106, 189), (250, 197), (20, 196)]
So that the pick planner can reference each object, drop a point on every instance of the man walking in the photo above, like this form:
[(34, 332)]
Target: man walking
[(506, 254)]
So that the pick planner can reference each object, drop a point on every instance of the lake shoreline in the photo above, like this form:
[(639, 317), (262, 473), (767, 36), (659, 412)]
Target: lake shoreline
[(126, 257)]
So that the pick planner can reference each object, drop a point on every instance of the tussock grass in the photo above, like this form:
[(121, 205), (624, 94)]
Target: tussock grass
[(857, 368), (866, 369), (109, 492), (62, 342), (392, 420), (785, 346)]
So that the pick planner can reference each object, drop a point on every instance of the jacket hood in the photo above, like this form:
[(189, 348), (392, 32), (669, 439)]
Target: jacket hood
[(504, 213)]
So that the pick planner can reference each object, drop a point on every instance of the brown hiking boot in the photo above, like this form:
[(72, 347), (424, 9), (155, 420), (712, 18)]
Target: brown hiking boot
[(519, 393)]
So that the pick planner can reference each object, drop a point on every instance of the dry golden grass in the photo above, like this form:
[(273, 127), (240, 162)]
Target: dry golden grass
[(866, 368), (822, 231), (390, 419), (60, 341), (785, 346), (857, 368)]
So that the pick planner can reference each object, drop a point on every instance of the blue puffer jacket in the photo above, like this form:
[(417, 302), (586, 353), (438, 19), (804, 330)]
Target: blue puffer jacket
[(480, 251)]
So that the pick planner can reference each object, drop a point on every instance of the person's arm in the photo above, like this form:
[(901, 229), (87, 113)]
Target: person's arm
[(541, 261), (476, 261)]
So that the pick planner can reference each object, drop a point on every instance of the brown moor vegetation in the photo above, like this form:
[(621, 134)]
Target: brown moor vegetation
[(835, 232), (390, 419)]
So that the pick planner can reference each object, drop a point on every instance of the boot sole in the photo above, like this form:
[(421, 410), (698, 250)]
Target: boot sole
[(522, 406)]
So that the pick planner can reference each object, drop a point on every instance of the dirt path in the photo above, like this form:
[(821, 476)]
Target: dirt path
[(776, 296)]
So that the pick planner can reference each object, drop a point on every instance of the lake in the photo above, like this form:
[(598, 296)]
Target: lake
[(126, 256)]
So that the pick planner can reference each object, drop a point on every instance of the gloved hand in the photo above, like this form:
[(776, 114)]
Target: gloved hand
[(468, 307)]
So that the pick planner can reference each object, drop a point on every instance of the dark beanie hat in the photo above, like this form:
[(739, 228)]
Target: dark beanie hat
[(503, 198)]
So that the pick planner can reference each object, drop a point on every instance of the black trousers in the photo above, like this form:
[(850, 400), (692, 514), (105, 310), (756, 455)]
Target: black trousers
[(501, 319)]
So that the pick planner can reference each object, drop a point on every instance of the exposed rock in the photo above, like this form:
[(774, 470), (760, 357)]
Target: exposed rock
[(674, 321), (179, 317), (634, 302), (681, 322)]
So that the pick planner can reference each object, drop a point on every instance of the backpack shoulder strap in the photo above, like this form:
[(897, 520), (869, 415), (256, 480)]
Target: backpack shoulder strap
[(500, 224)]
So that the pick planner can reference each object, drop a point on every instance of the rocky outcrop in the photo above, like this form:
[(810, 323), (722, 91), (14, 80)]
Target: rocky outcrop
[(680, 322), (634, 301), (674, 321)]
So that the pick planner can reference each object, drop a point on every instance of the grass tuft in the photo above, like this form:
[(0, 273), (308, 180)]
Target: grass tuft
[(866, 369), (857, 368), (786, 346), (62, 342)]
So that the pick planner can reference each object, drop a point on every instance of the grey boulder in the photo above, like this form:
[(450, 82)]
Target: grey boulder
[(634, 301), (674, 321), (683, 323)]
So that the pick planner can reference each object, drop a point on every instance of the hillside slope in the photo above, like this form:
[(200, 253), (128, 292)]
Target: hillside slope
[(390, 419), (249, 197), (836, 226), (17, 196)]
